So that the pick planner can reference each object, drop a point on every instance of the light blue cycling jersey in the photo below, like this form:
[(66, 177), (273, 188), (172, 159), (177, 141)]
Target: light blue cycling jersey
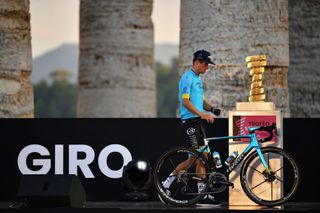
[(190, 86)]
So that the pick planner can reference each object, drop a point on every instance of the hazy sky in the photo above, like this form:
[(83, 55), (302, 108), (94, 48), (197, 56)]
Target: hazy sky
[(55, 22)]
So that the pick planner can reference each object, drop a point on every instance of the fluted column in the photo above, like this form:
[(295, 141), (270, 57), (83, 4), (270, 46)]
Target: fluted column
[(16, 94), (304, 71), (116, 65)]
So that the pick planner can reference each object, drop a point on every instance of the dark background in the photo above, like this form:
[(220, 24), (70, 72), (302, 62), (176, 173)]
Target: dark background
[(146, 139)]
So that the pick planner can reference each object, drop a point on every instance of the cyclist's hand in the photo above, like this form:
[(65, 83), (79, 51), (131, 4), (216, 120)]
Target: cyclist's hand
[(208, 117)]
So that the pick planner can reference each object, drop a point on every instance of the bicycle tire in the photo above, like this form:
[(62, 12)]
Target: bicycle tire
[(161, 171), (289, 171)]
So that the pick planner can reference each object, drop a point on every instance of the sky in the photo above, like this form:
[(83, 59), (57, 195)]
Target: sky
[(56, 22)]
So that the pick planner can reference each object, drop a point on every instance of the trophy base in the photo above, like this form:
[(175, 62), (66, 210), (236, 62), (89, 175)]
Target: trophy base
[(253, 114), (254, 106)]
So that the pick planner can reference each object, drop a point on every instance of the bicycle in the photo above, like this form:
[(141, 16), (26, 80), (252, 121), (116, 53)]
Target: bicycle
[(184, 190)]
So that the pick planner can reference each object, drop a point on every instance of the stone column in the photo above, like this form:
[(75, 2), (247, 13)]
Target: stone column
[(116, 66), (16, 93), (304, 71), (232, 30)]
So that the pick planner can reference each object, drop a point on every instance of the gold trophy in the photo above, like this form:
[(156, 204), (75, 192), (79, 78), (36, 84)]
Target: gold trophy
[(256, 65)]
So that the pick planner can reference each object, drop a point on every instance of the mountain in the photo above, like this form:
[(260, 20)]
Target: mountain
[(163, 53), (62, 57), (66, 57)]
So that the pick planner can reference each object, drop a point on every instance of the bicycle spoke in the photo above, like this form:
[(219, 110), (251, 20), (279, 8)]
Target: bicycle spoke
[(278, 170), (190, 188), (256, 170), (271, 190), (282, 181), (172, 164), (176, 191), (258, 185), (278, 178)]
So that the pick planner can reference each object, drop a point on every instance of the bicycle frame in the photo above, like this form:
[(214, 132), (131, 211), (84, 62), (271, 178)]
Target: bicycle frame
[(253, 145)]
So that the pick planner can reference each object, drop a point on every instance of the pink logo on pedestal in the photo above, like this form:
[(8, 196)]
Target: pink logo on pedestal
[(242, 122)]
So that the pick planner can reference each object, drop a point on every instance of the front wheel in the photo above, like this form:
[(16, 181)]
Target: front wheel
[(184, 189), (270, 188)]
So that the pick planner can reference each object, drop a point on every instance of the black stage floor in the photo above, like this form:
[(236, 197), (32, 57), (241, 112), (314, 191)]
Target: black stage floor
[(155, 206)]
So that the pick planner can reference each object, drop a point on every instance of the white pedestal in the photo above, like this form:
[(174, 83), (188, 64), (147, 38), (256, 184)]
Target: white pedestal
[(251, 114)]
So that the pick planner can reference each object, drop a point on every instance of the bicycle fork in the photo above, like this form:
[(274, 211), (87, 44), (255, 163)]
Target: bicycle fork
[(264, 163), (255, 145)]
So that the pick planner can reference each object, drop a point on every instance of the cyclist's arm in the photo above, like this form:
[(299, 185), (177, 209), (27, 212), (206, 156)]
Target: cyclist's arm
[(187, 103), (207, 106)]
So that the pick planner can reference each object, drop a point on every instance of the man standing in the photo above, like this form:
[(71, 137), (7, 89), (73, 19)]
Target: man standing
[(192, 110)]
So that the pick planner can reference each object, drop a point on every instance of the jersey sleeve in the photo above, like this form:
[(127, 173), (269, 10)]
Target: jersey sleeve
[(185, 87)]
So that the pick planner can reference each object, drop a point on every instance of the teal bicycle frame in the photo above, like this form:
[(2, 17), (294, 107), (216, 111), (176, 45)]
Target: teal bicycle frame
[(253, 145)]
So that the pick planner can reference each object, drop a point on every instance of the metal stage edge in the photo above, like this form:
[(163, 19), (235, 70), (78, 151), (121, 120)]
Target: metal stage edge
[(155, 206)]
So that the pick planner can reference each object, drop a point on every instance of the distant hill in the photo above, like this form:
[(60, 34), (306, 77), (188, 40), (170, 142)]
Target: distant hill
[(66, 57), (163, 53), (62, 57)]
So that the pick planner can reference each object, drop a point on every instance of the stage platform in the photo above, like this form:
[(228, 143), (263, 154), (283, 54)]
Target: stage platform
[(155, 206)]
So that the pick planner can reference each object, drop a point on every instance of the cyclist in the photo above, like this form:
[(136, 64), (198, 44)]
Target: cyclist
[(192, 111)]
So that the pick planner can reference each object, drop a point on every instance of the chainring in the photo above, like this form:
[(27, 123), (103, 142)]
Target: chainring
[(218, 182)]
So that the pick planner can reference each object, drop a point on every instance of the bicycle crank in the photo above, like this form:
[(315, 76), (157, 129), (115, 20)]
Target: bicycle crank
[(218, 182)]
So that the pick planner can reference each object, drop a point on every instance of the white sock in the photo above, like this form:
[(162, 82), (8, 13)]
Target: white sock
[(201, 186), (167, 183)]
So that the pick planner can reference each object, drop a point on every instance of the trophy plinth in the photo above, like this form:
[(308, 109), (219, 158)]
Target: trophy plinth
[(249, 106)]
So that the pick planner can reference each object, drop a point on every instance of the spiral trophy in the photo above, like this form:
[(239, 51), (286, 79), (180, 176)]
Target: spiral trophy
[(256, 65)]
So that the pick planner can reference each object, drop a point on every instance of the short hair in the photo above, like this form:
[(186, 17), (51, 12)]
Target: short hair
[(200, 60)]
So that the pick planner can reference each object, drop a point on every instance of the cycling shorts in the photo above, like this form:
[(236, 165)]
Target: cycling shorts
[(194, 132)]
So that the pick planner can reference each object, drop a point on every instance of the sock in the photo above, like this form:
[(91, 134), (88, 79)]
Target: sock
[(201, 188), (167, 183)]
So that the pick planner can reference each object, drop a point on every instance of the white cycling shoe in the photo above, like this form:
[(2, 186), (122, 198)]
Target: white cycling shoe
[(209, 199), (167, 191)]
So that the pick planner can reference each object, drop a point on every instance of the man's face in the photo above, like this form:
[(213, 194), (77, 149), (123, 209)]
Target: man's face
[(202, 67)]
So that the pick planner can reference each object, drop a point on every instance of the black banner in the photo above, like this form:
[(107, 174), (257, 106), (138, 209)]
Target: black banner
[(97, 149)]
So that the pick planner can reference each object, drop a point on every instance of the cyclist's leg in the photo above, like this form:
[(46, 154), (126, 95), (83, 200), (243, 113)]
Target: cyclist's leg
[(200, 169), (195, 134), (208, 199), (183, 191), (182, 166), (201, 174), (192, 134)]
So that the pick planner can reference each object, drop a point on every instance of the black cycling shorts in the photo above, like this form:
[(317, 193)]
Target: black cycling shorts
[(194, 132)]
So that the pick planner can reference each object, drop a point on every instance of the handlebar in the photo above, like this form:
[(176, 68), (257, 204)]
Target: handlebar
[(268, 129)]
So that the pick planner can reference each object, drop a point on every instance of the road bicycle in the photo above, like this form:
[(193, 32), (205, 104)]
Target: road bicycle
[(264, 170)]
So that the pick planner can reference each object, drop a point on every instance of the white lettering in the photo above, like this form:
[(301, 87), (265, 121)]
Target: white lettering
[(83, 164), (44, 163), (58, 161), (102, 161), (235, 163), (74, 162)]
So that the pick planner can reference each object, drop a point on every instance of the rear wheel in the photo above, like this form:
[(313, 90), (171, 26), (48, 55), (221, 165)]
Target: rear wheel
[(274, 188), (183, 191)]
